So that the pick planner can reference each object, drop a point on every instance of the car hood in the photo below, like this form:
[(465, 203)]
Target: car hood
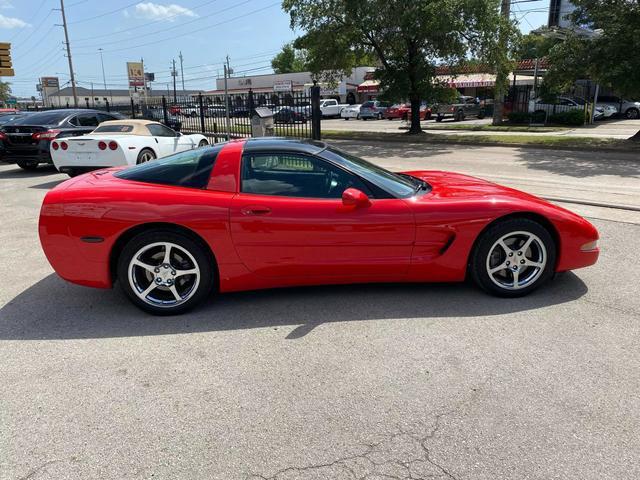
[(449, 185)]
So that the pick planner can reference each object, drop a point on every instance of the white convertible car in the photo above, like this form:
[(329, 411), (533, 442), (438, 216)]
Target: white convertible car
[(120, 142)]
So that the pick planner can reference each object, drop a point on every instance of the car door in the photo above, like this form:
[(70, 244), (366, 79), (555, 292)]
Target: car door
[(288, 220), (84, 123), (167, 140)]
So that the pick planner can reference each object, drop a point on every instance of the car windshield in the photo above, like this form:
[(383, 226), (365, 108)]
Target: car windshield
[(42, 118), (367, 104), (400, 186)]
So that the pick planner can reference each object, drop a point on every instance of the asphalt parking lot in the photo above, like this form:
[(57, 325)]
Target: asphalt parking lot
[(351, 382)]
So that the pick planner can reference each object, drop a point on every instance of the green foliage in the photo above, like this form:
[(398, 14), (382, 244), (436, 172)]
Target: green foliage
[(519, 117), (570, 117), (609, 56), (5, 91), (535, 45), (289, 60), (407, 38)]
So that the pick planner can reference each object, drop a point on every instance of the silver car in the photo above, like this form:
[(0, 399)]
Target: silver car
[(628, 108)]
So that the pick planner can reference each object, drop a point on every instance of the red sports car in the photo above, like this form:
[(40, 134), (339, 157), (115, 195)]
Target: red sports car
[(403, 112), (270, 212)]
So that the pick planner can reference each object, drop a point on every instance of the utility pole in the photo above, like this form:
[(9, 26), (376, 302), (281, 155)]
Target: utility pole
[(227, 72), (501, 73), (181, 72), (174, 74), (104, 78), (66, 38)]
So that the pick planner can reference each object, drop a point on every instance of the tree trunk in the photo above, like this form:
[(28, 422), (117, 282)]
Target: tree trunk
[(415, 115)]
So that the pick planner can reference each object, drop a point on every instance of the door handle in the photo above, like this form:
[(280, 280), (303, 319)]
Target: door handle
[(255, 210)]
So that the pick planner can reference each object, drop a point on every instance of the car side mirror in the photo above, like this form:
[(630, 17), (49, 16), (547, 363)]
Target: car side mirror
[(352, 197)]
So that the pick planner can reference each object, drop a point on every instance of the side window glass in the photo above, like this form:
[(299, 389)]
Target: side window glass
[(103, 117), (160, 131), (74, 121), (87, 120), (294, 175)]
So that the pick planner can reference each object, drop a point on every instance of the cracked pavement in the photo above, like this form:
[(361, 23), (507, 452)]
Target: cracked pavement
[(355, 382)]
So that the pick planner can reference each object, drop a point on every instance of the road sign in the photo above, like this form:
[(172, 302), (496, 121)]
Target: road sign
[(6, 69), (12, 101)]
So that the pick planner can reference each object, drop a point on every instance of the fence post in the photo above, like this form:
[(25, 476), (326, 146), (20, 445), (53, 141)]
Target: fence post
[(87, 102), (201, 109), (316, 114), (107, 105), (133, 109), (164, 110), (251, 104)]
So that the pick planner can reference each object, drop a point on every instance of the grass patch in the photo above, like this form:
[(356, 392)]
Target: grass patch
[(543, 141), (495, 128)]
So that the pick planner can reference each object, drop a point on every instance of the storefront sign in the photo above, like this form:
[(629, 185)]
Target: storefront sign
[(282, 86), (135, 74)]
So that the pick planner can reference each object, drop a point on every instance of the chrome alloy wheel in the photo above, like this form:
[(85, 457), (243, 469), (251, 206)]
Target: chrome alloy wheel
[(146, 156), (163, 274), (516, 260)]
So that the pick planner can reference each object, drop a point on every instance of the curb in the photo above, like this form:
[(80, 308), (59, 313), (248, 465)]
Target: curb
[(588, 203), (435, 141)]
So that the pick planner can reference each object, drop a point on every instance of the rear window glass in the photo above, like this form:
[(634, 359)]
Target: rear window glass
[(186, 169), (114, 129), (43, 118), (367, 104)]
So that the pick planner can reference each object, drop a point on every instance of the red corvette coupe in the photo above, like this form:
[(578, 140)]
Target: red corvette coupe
[(265, 213)]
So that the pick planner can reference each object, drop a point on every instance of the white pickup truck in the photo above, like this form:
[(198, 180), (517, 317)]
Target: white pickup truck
[(331, 108)]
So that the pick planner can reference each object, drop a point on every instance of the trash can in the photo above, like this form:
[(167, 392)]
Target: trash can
[(262, 122)]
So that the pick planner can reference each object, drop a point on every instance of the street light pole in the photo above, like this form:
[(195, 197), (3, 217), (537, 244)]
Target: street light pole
[(174, 74), (227, 72), (181, 72)]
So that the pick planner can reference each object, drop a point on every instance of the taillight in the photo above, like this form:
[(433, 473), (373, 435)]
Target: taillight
[(112, 145), (102, 145), (63, 145), (55, 145), (47, 135), (452, 109), (3, 136)]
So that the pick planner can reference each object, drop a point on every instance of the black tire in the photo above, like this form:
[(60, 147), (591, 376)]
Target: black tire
[(481, 115), (29, 165), (193, 297), (73, 173), (458, 117), (632, 113), (146, 155), (439, 118), (203, 143), (487, 244)]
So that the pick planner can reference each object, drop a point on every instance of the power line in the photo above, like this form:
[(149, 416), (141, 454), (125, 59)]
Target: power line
[(82, 20), (192, 31), (17, 34), (164, 30), (138, 27), (23, 42)]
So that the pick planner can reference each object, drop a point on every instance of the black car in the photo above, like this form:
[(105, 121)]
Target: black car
[(10, 117), (289, 115), (26, 140), (157, 114)]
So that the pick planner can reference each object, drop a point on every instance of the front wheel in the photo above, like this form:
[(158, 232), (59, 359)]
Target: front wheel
[(165, 272), (439, 118), (513, 258), (28, 165), (632, 113)]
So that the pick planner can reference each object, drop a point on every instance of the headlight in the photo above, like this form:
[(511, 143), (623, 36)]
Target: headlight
[(589, 246)]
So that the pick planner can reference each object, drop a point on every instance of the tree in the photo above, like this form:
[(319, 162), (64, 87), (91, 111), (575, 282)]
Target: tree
[(536, 44), (406, 37), (5, 91), (606, 55), (289, 60)]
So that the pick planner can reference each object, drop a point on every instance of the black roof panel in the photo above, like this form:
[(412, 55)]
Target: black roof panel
[(261, 144)]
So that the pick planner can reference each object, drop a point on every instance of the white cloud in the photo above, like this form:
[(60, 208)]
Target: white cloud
[(11, 22), (155, 11)]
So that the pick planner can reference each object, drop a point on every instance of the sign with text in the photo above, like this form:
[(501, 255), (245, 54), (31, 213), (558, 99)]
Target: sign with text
[(135, 74), (50, 82), (282, 86)]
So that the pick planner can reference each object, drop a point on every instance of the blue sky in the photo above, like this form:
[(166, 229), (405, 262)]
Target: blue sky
[(250, 31)]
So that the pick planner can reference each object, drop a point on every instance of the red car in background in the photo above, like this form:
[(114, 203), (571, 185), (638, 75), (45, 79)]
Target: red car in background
[(402, 111), (270, 212)]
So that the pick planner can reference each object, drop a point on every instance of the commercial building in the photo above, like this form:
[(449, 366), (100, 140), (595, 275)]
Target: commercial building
[(264, 86), (98, 98)]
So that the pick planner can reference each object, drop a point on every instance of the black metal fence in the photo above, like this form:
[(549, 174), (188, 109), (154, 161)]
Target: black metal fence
[(294, 114)]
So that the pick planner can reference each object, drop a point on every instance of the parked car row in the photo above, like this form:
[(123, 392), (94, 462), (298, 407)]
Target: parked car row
[(80, 140)]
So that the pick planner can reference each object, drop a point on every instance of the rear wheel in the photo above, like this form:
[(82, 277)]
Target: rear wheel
[(164, 272), (513, 258), (145, 155), (439, 118), (632, 113), (203, 143), (27, 164)]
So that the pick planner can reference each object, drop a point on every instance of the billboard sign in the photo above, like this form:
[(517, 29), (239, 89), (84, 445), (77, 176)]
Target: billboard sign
[(135, 74), (50, 82)]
